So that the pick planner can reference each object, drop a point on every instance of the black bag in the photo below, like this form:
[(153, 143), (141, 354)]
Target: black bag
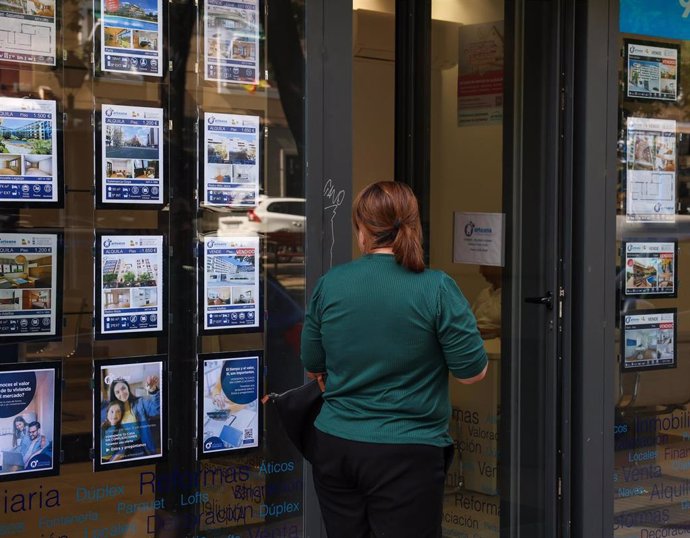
[(297, 409)]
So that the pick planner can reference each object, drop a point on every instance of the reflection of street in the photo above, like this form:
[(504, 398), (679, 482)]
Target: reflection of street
[(291, 277)]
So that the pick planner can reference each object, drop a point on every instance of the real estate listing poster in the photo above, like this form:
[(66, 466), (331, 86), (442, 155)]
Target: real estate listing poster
[(27, 31), (229, 401), (231, 150), (130, 282), (651, 170), (28, 151), (29, 291), (132, 155), (231, 41), (29, 420), (652, 71), (132, 36), (129, 428), (650, 268), (649, 339), (231, 283), (480, 73)]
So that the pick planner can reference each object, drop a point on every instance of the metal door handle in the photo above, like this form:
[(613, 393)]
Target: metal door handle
[(546, 300)]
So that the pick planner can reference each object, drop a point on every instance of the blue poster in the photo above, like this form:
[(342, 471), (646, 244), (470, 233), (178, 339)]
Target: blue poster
[(657, 18)]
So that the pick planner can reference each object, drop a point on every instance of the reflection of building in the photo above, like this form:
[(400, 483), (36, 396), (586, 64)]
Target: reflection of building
[(39, 130)]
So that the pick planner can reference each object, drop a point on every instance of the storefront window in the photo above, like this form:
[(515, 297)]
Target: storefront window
[(152, 279), (652, 450)]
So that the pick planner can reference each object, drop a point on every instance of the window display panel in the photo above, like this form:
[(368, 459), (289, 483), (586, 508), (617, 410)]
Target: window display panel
[(129, 412), (28, 32), (651, 391), (30, 285), (130, 278), (29, 151), (229, 402), (29, 420)]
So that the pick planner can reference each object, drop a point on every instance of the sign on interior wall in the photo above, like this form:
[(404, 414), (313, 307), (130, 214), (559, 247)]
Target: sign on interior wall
[(478, 238), (129, 411), (28, 151), (650, 170), (231, 150), (29, 420), (132, 36), (129, 278), (658, 18), (229, 401), (480, 73), (30, 265), (132, 165), (27, 31), (231, 41), (230, 293)]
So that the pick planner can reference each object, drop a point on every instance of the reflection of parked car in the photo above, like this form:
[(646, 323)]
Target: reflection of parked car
[(275, 215)]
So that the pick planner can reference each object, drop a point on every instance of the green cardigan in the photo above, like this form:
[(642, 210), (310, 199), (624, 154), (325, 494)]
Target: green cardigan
[(387, 338)]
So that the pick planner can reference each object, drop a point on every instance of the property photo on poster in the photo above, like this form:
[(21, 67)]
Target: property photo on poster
[(28, 151), (132, 36), (650, 268), (649, 339), (128, 419), (651, 170), (231, 283), (29, 420), (130, 271), (229, 400), (27, 31), (28, 285), (652, 71), (480, 73), (231, 41), (132, 155), (231, 150)]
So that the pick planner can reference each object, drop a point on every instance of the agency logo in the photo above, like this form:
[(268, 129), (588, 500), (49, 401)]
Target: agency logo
[(211, 120), (211, 243), (469, 229), (109, 112), (107, 243)]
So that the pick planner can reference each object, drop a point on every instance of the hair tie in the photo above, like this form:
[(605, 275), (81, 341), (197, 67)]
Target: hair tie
[(397, 224)]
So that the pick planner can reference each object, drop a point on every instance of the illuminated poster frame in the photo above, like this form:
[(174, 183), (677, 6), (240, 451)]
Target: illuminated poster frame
[(637, 326), (42, 380), (228, 403), (143, 440), (130, 157), (231, 167), (32, 151), (132, 37), (111, 324), (643, 261), (23, 283), (32, 30), (648, 58), (229, 287)]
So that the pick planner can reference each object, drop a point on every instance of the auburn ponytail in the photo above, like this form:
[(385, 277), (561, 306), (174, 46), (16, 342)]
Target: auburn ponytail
[(388, 214)]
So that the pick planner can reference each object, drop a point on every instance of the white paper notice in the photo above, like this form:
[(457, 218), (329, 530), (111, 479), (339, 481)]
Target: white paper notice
[(231, 41), (28, 151), (231, 171), (132, 155), (478, 238), (651, 170)]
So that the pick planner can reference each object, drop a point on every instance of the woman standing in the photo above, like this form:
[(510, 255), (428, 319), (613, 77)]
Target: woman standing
[(387, 332), (139, 413)]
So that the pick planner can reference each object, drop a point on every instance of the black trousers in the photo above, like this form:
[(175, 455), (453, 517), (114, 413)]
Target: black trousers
[(384, 490)]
